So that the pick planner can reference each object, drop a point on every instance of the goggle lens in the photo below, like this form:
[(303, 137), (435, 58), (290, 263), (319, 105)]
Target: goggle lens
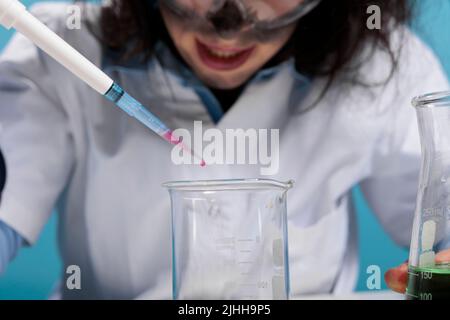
[(262, 10)]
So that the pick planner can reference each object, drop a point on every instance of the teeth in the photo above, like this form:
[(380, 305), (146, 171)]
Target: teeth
[(222, 54)]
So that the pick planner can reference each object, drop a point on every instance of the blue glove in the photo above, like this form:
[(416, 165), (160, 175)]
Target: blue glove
[(10, 243)]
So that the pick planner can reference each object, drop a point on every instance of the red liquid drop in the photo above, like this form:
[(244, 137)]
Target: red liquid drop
[(171, 138), (175, 141)]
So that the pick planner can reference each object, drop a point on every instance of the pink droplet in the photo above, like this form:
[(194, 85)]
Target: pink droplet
[(171, 138), (203, 163)]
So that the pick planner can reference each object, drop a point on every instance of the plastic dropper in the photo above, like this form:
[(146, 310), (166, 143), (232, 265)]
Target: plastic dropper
[(13, 14)]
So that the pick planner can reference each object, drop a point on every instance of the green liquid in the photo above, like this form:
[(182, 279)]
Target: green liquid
[(429, 283)]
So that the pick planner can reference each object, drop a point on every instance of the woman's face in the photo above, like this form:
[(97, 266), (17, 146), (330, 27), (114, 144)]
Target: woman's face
[(222, 63)]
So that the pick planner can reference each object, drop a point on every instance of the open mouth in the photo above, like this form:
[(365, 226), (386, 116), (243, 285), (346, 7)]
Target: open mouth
[(220, 58)]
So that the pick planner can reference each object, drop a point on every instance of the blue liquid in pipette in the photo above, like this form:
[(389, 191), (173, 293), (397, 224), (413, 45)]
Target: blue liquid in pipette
[(135, 109)]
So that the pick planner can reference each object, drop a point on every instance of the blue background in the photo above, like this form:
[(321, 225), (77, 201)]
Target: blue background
[(36, 270)]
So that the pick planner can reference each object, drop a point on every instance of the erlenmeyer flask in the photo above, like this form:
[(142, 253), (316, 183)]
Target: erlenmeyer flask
[(429, 261), (229, 239)]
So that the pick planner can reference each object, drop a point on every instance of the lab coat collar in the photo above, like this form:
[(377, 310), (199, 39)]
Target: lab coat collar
[(167, 75), (186, 78)]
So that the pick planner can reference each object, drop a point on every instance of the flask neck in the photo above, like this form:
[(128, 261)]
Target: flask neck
[(434, 128)]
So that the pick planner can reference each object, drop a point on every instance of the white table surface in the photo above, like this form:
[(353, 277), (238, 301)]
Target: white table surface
[(366, 295)]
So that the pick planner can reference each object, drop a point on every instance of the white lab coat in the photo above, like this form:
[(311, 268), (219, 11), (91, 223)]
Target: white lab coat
[(63, 141)]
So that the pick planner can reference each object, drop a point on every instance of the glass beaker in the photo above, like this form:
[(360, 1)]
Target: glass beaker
[(429, 260), (229, 239)]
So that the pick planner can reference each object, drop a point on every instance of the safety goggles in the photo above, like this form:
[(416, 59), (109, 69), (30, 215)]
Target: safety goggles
[(228, 17)]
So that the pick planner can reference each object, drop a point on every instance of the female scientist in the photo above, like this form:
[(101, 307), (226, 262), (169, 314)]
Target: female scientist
[(337, 88)]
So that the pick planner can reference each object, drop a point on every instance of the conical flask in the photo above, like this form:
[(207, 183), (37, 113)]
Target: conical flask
[(429, 260)]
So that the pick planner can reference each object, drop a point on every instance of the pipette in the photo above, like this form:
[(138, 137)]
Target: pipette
[(13, 14)]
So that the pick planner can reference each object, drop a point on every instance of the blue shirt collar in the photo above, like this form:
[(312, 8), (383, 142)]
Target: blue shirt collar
[(186, 78)]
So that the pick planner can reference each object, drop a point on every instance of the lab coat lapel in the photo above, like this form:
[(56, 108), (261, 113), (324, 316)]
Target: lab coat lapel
[(263, 105)]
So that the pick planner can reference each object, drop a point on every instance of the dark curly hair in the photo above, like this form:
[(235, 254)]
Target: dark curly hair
[(323, 44)]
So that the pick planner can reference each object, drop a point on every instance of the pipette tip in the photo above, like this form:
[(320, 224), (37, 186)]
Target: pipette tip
[(170, 137)]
